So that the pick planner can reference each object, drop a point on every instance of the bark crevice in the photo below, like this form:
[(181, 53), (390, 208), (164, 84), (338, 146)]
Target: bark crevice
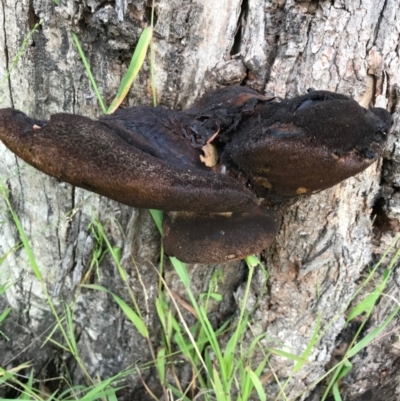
[(6, 52)]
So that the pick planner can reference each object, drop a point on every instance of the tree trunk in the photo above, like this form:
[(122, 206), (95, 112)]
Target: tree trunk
[(280, 48)]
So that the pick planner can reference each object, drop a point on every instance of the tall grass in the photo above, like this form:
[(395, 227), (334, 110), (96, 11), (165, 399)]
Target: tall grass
[(218, 373)]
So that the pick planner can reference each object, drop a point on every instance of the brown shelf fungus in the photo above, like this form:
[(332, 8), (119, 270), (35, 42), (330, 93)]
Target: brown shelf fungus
[(154, 158)]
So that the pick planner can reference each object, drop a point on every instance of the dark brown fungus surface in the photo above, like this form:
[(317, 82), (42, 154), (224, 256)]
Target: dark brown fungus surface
[(228, 97), (215, 238), (307, 144), (150, 158), (96, 156)]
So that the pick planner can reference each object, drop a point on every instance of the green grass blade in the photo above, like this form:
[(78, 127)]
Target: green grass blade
[(152, 75), (256, 341), (219, 390), (158, 218), (22, 235), (130, 314), (244, 384), (261, 367), (4, 314), (28, 388), (231, 346), (71, 331), (115, 252), (177, 393), (369, 302), (257, 385), (347, 366), (134, 67), (160, 364), (152, 60), (338, 373), (373, 334), (89, 72), (336, 392), (288, 355), (310, 345), (247, 379), (227, 365), (209, 365), (181, 270), (161, 312), (133, 316), (112, 397), (211, 295), (98, 390)]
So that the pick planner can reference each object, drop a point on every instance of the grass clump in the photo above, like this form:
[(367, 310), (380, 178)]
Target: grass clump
[(218, 372)]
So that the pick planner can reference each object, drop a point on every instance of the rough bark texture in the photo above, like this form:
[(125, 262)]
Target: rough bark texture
[(278, 47)]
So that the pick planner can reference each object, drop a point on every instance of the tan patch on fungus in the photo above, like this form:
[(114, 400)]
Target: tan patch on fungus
[(210, 158), (262, 181), (264, 170), (301, 191)]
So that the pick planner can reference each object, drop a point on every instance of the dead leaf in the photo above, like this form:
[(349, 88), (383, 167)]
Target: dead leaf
[(210, 158)]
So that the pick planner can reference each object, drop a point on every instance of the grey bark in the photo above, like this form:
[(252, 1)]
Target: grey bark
[(281, 48)]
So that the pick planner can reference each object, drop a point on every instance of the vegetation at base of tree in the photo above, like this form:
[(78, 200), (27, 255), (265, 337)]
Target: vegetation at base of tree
[(217, 372)]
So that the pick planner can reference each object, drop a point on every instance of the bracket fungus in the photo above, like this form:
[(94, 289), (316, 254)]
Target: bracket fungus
[(263, 151)]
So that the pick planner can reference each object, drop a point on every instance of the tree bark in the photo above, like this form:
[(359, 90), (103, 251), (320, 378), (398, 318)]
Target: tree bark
[(280, 48)]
